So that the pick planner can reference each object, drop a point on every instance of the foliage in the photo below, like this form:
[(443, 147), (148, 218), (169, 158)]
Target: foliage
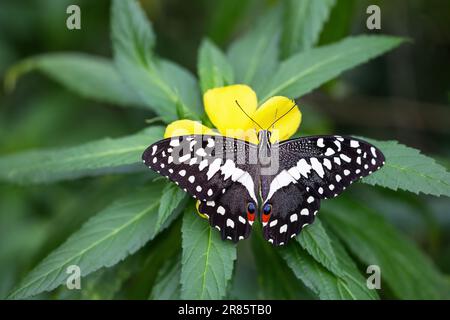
[(329, 257)]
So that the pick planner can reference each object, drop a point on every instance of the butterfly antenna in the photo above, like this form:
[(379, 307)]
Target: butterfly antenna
[(247, 114), (273, 124)]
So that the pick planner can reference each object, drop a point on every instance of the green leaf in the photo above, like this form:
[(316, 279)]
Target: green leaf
[(328, 286), (307, 70), (407, 169), (408, 272), (104, 284), (315, 240), (213, 67), (167, 284), (303, 21), (89, 76), (162, 85), (339, 23), (104, 240), (93, 158), (254, 56), (275, 279), (207, 261), (172, 197)]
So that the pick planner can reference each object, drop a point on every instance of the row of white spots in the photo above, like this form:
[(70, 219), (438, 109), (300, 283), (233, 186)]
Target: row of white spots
[(283, 229)]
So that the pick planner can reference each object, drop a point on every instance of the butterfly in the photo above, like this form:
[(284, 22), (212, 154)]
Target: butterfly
[(282, 184)]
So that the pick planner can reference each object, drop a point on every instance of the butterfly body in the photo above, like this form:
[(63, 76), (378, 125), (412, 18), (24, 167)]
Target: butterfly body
[(282, 184)]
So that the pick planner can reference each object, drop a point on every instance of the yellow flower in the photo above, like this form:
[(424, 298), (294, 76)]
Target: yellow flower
[(224, 113)]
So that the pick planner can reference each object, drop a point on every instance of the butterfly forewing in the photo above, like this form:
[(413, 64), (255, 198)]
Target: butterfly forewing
[(214, 169), (328, 164)]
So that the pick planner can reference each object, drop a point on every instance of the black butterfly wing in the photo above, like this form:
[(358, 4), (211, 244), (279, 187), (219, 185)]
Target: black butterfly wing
[(228, 214), (215, 169), (292, 209), (311, 169)]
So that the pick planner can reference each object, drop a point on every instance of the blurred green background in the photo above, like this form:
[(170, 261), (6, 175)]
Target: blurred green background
[(403, 95)]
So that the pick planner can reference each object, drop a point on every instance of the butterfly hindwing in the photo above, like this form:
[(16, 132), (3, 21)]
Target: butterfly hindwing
[(292, 209), (228, 213)]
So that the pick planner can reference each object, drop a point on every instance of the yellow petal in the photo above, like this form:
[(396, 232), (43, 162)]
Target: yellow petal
[(186, 127), (273, 109), (222, 110), (250, 135)]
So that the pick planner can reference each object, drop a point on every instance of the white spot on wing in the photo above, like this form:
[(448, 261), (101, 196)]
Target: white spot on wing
[(184, 158), (174, 142), (202, 164), (213, 168), (345, 158), (338, 144), (320, 143), (327, 163), (317, 166), (303, 167), (228, 168), (372, 149), (201, 152)]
